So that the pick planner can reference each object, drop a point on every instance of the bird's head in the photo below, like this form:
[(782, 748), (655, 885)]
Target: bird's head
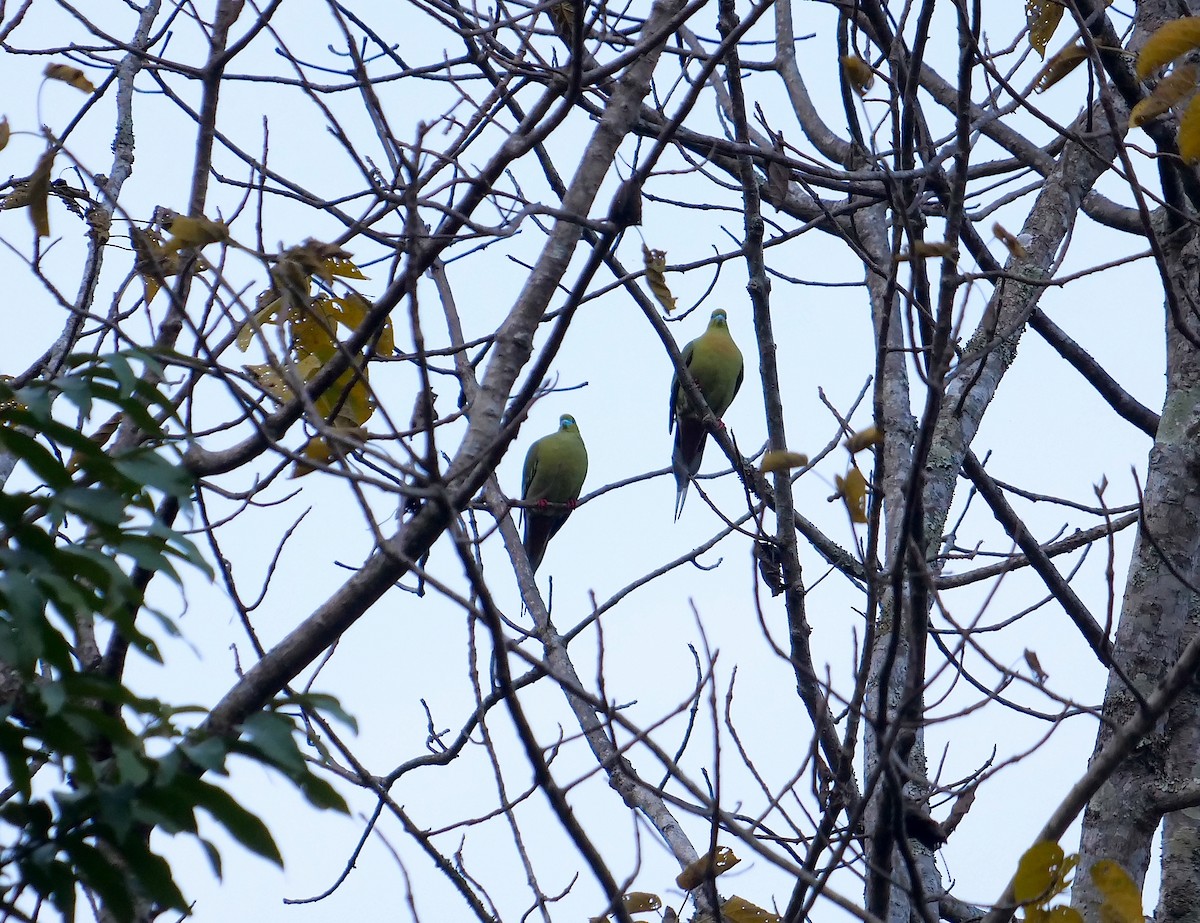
[(566, 423), (719, 318)]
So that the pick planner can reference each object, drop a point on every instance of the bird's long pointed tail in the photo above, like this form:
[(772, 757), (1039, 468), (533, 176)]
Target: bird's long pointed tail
[(685, 459)]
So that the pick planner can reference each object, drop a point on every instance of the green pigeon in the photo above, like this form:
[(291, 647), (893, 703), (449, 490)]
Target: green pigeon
[(716, 363), (554, 471)]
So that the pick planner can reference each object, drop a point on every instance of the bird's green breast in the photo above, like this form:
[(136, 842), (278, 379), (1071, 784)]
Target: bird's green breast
[(561, 466), (716, 364)]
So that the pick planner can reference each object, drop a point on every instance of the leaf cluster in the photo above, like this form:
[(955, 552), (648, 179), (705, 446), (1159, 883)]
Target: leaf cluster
[(94, 767)]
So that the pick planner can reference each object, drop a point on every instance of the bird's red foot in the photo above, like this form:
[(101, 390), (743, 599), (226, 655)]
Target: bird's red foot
[(543, 503), (571, 504)]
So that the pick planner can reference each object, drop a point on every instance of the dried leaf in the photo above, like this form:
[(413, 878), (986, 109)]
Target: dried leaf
[(1167, 43), (1043, 17), (863, 439), (5, 133), (709, 865), (1189, 132), (1122, 898), (1010, 240), (779, 175), (740, 910), (626, 207), (563, 17), (153, 262), (770, 566), (858, 73), (38, 191), (1061, 64), (70, 75), (962, 804), (1031, 659), (641, 902), (782, 460), (853, 490), (656, 264)]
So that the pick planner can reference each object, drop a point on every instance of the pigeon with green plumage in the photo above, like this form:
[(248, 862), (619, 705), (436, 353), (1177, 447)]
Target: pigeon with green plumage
[(554, 471), (715, 362)]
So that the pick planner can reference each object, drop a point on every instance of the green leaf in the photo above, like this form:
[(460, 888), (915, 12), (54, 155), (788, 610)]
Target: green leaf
[(214, 857), (321, 794), (207, 754), (40, 460), (271, 735), (148, 469), (130, 767), (152, 873), (97, 505), (242, 825), (53, 696), (321, 702), (106, 880)]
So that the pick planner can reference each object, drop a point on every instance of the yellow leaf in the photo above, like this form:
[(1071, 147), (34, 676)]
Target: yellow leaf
[(267, 312), (313, 331), (352, 309), (863, 439), (782, 460), (1189, 132), (858, 73), (270, 381), (656, 263), (340, 266), (1061, 64), (275, 385), (5, 132), (709, 865), (740, 910), (39, 194), (387, 340), (1170, 90), (322, 451), (641, 902), (70, 75), (347, 402), (1043, 17), (1167, 43), (317, 258), (188, 231), (1122, 899), (853, 490), (1041, 873)]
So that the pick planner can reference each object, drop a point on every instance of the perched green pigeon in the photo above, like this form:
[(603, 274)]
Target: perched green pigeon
[(716, 363), (554, 471)]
